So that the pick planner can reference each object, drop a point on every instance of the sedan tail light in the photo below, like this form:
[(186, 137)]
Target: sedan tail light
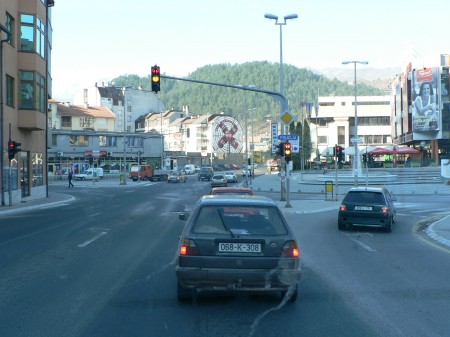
[(343, 207), (189, 247), (290, 249)]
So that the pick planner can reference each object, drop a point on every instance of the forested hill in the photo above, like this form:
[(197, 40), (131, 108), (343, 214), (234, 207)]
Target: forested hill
[(301, 85)]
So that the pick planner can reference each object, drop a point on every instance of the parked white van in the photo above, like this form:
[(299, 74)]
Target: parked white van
[(189, 169), (89, 174)]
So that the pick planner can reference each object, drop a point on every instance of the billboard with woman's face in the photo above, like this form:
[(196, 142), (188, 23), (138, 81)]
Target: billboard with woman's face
[(425, 106)]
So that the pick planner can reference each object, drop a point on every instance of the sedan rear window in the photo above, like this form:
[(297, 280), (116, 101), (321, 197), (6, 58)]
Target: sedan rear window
[(239, 220), (365, 197)]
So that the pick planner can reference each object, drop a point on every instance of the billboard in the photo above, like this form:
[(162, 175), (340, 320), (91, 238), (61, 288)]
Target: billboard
[(425, 100)]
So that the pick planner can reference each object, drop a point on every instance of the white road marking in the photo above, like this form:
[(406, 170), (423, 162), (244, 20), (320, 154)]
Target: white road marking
[(363, 245), (85, 243)]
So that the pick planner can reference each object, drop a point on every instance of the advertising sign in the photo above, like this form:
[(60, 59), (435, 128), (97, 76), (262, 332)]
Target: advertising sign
[(425, 100)]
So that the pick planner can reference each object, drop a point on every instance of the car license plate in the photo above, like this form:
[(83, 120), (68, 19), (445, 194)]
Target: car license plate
[(228, 247), (363, 208)]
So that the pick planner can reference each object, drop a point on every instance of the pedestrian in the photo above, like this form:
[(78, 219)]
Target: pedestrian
[(70, 178)]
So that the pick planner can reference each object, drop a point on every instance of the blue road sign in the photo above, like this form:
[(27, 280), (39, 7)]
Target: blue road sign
[(288, 137)]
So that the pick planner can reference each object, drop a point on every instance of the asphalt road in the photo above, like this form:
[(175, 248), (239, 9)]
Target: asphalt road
[(103, 265)]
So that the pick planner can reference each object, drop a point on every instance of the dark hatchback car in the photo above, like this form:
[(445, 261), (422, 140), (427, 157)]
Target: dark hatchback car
[(205, 173), (367, 206), (237, 243)]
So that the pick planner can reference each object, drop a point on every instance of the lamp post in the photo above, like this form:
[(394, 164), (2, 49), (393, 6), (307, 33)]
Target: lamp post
[(124, 180), (281, 24), (356, 162)]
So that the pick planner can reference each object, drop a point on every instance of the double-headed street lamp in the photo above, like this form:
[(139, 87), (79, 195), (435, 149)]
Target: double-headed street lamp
[(287, 17), (356, 163)]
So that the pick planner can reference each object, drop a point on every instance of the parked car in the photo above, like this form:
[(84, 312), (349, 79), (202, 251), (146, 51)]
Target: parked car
[(218, 179), (367, 206), (236, 244), (177, 177), (231, 176), (231, 190), (197, 169), (206, 173)]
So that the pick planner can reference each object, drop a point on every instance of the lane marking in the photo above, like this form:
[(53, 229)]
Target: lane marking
[(85, 243), (366, 247)]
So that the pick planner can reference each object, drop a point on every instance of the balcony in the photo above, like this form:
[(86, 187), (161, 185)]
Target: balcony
[(31, 120)]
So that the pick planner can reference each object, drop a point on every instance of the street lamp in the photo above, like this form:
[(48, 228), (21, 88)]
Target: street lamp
[(356, 163), (287, 17)]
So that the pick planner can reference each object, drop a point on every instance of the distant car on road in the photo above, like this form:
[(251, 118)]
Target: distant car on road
[(224, 247), (218, 179), (206, 173), (231, 176), (177, 177), (367, 206)]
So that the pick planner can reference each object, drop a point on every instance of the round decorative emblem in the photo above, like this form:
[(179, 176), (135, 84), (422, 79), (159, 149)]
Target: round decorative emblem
[(227, 134)]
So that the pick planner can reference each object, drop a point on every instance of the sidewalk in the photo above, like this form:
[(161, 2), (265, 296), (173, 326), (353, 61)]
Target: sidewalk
[(438, 231)]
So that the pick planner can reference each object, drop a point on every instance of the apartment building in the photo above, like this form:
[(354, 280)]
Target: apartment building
[(25, 50)]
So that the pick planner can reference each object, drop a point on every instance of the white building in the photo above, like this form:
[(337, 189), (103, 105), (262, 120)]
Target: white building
[(334, 122)]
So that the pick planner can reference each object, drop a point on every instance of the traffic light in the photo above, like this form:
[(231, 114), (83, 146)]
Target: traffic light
[(339, 153), (280, 151), (13, 148), (287, 152), (156, 79)]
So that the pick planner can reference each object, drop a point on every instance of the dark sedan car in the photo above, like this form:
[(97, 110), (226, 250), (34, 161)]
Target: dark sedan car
[(367, 206), (237, 243)]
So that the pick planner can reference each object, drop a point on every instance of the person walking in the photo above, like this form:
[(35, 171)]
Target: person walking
[(70, 176)]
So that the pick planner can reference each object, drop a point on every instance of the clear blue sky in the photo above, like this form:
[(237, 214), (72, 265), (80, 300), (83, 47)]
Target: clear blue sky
[(95, 41)]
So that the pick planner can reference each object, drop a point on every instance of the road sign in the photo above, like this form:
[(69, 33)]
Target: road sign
[(293, 139), (286, 118)]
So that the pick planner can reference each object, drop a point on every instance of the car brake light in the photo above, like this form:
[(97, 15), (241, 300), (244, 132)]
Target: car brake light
[(384, 210), (343, 208), (290, 249), (188, 247)]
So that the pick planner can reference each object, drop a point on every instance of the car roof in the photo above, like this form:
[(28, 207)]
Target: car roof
[(231, 190), (368, 189), (237, 200)]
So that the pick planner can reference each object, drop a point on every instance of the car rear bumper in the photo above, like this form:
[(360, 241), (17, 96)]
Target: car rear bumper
[(372, 220), (238, 279)]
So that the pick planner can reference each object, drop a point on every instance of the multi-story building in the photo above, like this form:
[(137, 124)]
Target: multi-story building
[(423, 120), (334, 123), (25, 49)]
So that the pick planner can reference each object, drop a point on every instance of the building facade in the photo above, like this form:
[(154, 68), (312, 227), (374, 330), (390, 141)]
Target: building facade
[(333, 123), (26, 45)]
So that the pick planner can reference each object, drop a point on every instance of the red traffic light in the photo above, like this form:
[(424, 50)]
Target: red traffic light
[(156, 78), (287, 148)]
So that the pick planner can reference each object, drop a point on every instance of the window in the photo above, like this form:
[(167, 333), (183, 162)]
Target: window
[(341, 134), (40, 38), (29, 40), (10, 26), (322, 139), (9, 91), (108, 141), (26, 90), (40, 92), (66, 122), (26, 32), (79, 140)]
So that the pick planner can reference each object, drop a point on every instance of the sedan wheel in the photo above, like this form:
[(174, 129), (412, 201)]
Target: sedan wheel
[(183, 294), (388, 226)]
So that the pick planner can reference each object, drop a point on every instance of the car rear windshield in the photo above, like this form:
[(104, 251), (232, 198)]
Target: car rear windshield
[(365, 197), (239, 220)]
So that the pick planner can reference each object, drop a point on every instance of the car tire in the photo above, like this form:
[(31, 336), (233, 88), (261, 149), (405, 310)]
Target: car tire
[(341, 226), (183, 294), (388, 226)]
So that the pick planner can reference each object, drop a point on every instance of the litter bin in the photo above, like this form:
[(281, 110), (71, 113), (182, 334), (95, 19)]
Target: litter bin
[(328, 189)]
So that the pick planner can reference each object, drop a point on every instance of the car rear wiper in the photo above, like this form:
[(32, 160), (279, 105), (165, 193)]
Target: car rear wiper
[(224, 225)]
